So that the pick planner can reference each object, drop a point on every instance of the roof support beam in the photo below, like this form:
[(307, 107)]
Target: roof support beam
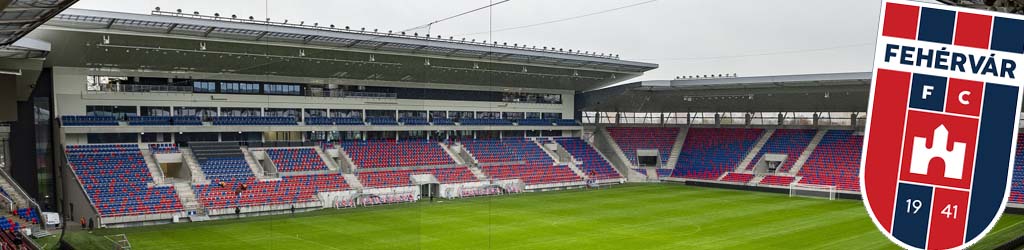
[(171, 28), (452, 52), (208, 31), (308, 39), (261, 35), (111, 23)]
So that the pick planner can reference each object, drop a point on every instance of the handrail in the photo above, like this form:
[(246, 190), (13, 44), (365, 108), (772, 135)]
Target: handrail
[(22, 191)]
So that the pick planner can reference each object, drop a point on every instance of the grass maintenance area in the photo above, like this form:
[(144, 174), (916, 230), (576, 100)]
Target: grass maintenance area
[(632, 216)]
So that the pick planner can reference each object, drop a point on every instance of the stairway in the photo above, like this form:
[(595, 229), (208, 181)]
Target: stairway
[(331, 164), (448, 150), (606, 145), (478, 173), (353, 181), (742, 167), (604, 158), (187, 196), (154, 167), (346, 161), (677, 148), (466, 155), (193, 166), (757, 179), (552, 155), (799, 164), (578, 171), (255, 165)]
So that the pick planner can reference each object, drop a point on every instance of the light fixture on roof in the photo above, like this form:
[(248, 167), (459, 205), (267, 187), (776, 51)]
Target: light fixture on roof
[(251, 18), (233, 16), (195, 13), (157, 8), (179, 11), (216, 14)]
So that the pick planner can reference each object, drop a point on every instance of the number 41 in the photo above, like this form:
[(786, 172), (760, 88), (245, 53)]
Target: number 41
[(950, 210)]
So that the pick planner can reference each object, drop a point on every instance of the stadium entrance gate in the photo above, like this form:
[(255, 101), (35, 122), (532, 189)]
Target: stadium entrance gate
[(430, 190)]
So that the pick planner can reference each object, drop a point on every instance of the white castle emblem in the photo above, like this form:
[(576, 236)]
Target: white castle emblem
[(954, 160)]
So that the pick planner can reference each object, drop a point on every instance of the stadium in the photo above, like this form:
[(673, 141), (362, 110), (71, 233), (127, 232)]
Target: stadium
[(182, 130)]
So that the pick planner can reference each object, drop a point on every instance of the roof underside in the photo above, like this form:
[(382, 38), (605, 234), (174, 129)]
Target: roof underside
[(554, 69), (843, 92), (22, 16)]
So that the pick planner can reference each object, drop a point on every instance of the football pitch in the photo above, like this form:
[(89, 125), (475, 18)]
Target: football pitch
[(632, 216)]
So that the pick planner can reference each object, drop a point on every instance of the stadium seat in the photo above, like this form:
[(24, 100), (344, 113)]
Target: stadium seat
[(254, 120), (398, 178), (738, 177), (594, 165), (228, 193), (835, 162), (391, 153), (296, 159), (631, 139), (710, 152), (790, 142), (79, 120), (115, 177)]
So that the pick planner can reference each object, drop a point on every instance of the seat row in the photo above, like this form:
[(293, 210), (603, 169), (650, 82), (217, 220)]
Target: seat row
[(296, 159), (115, 177), (630, 139), (594, 165), (398, 178), (392, 153), (710, 152)]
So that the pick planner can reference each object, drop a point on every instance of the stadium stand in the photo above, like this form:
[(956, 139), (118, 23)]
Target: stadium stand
[(221, 161), (485, 122), (532, 174), (835, 162), (777, 180), (594, 165), (535, 122), (186, 121), (149, 120), (413, 121), (296, 159), (1017, 187), (115, 178), (507, 150), (710, 152), (245, 192), (632, 138), (164, 148), (391, 153), (790, 142), (79, 120), (334, 121), (443, 121), (518, 158), (738, 177), (254, 120), (397, 178), (381, 120)]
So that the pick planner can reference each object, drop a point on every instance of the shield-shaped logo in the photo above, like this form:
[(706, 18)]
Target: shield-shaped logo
[(942, 122)]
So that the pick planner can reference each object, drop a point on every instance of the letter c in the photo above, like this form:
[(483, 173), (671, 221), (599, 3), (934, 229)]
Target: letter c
[(964, 94)]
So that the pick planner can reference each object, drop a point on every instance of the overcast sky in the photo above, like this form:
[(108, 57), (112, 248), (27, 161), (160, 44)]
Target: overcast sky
[(686, 37)]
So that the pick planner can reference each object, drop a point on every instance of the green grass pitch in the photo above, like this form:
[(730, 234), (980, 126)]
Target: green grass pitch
[(633, 216)]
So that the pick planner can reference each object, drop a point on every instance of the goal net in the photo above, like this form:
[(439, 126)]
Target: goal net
[(811, 190)]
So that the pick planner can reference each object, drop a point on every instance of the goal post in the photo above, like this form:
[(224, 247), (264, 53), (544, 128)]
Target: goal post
[(812, 190)]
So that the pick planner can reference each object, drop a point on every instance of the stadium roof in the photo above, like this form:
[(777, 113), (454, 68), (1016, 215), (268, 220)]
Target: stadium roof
[(19, 17), (837, 92), (563, 69)]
